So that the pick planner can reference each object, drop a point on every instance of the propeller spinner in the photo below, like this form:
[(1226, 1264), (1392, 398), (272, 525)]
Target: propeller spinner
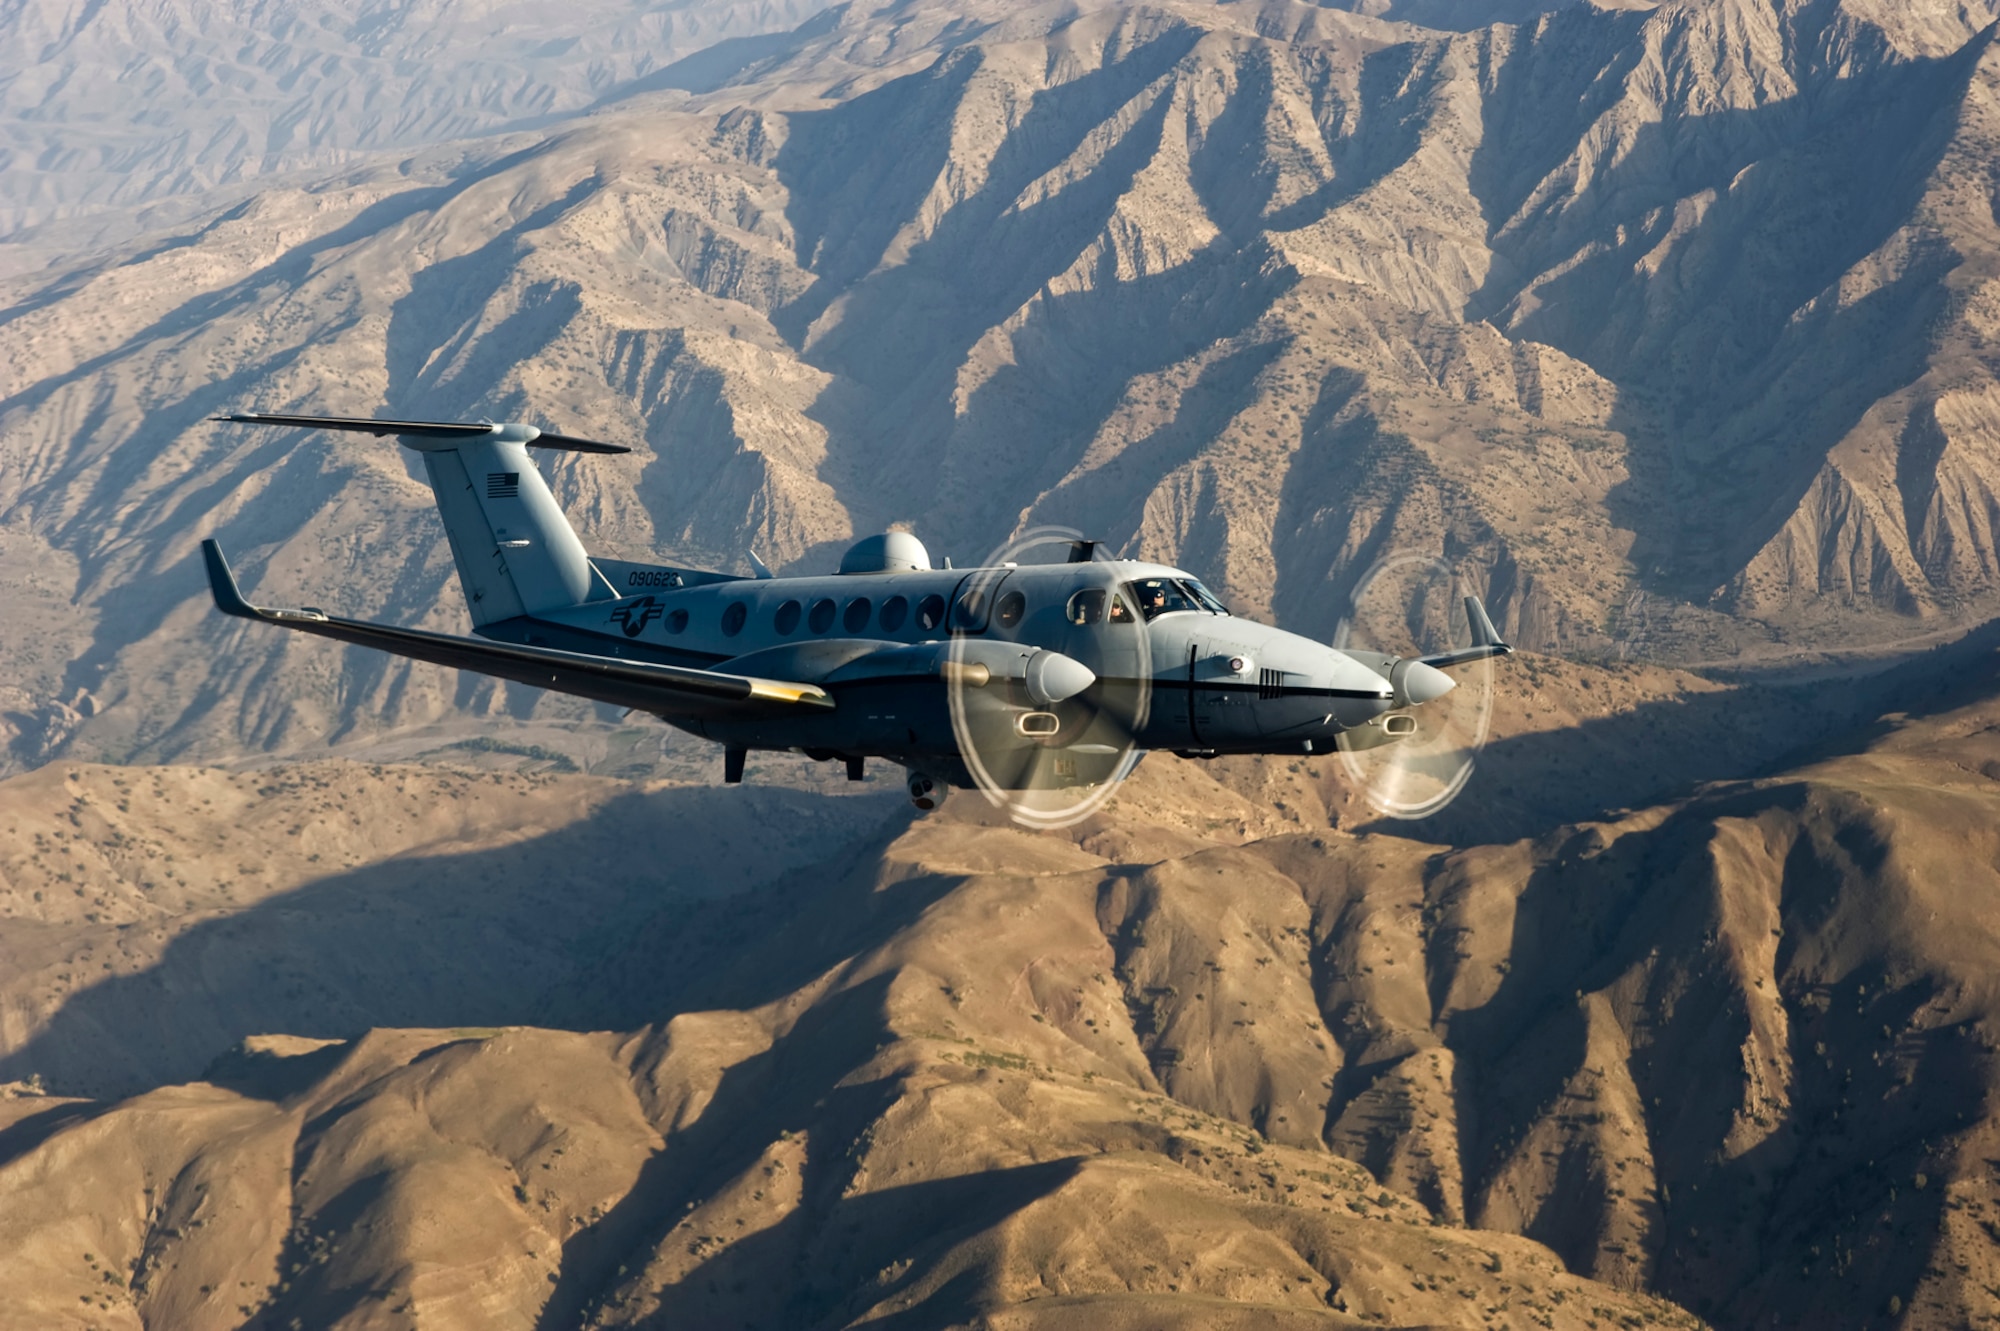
[(1051, 741), (1409, 615)]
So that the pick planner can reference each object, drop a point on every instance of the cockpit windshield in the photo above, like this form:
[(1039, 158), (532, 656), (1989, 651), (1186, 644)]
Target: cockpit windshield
[(1207, 598), (1161, 596)]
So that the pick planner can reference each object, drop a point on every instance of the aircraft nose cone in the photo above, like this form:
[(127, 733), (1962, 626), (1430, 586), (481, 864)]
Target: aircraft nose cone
[(1417, 684), (1052, 677)]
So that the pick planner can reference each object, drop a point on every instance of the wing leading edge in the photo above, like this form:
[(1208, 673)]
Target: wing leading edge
[(661, 689)]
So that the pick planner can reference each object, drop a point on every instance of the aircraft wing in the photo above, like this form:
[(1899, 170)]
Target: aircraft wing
[(661, 689)]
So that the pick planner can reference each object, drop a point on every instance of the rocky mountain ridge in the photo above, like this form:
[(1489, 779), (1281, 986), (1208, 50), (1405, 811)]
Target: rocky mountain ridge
[(155, 103), (1665, 325), (1199, 1060)]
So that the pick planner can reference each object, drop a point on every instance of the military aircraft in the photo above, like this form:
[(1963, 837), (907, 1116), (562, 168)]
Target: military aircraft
[(1039, 677)]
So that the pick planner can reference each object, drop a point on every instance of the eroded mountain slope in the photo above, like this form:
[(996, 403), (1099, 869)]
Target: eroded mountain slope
[(150, 102), (914, 1132), (1664, 325), (1736, 1050)]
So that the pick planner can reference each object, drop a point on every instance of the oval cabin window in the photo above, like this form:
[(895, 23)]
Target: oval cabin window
[(734, 618), (930, 612), (894, 611), (1012, 606), (855, 618), (787, 618), (821, 618)]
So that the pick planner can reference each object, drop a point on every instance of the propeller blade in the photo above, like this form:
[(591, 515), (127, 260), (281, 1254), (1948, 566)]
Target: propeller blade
[(1415, 760), (1050, 737)]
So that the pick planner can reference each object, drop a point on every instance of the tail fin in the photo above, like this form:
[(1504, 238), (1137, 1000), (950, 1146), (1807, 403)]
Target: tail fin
[(516, 553)]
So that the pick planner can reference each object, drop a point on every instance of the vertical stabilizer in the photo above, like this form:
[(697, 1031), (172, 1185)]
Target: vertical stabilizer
[(516, 553)]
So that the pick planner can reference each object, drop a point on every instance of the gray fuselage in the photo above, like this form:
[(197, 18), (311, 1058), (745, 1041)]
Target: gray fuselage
[(881, 644)]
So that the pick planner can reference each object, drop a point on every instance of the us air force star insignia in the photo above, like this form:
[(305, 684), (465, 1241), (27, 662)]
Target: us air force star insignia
[(637, 614)]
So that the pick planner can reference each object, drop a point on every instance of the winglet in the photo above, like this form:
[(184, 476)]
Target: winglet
[(222, 584), (1486, 643), (1483, 633)]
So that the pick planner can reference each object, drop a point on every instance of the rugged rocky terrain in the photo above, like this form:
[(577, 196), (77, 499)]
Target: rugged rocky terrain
[(161, 105), (1197, 1063), (431, 1001), (1668, 325)]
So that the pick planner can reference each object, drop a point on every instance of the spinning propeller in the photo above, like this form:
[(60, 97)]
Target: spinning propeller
[(1412, 619), (1050, 733)]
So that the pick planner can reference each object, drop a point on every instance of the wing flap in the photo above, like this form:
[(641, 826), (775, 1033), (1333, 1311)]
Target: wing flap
[(661, 689)]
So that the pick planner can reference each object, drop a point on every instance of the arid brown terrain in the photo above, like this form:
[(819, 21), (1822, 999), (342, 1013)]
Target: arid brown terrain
[(1670, 326), (523, 1050), (337, 991)]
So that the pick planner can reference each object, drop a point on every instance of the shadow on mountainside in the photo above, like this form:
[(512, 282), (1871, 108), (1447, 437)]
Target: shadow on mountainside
[(1526, 785), (804, 1081), (1663, 923), (904, 330), (904, 1232), (1701, 272), (726, 62), (589, 927)]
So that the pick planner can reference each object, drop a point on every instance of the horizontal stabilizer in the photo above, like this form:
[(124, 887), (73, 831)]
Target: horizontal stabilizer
[(661, 689), (524, 434), (1485, 640)]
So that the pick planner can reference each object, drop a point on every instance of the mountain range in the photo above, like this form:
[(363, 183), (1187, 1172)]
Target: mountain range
[(550, 1061), (343, 991), (158, 106), (1665, 326)]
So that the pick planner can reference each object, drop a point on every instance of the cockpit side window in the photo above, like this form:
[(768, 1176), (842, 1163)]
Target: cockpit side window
[(1161, 596), (1087, 606)]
